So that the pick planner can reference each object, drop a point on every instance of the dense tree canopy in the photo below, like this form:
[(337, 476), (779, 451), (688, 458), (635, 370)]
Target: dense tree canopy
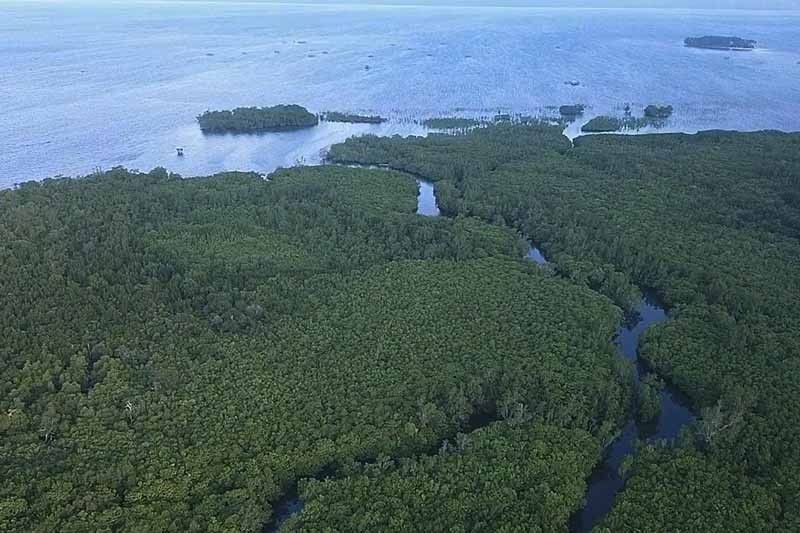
[(178, 353), (257, 119), (505, 477), (710, 221)]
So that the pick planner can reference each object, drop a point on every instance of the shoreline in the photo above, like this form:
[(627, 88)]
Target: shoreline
[(414, 127)]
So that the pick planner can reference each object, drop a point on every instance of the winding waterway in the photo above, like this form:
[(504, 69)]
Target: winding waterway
[(605, 482)]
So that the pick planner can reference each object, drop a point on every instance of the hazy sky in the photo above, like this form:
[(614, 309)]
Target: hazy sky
[(678, 4), (696, 4)]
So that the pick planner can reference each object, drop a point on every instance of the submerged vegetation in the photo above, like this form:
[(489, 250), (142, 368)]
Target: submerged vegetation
[(335, 116), (257, 119), (450, 123)]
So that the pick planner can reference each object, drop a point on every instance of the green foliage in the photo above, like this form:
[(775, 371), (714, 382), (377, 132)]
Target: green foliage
[(257, 119), (710, 221), (648, 407), (177, 353), (695, 493), (499, 478), (602, 124), (452, 157), (658, 112)]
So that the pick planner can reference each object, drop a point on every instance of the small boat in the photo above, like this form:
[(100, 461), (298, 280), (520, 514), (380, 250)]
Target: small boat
[(180, 152)]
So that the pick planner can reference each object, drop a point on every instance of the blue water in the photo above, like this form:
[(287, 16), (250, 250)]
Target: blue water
[(85, 86), (535, 254), (426, 200)]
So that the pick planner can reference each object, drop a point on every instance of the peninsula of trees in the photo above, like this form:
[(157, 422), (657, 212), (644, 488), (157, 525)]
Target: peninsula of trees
[(257, 119)]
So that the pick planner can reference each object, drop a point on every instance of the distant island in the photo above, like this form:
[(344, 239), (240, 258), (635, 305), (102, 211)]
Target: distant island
[(717, 42), (658, 112), (335, 116), (257, 119), (654, 116), (571, 111)]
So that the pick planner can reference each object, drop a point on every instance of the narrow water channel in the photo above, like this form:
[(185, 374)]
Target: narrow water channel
[(606, 482), (291, 504), (426, 200)]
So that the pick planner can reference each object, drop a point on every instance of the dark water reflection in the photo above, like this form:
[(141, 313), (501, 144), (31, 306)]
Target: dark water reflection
[(287, 507), (606, 482)]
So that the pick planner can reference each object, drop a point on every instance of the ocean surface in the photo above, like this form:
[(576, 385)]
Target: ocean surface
[(91, 86)]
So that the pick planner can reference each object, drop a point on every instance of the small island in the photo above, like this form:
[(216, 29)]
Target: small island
[(717, 42), (654, 116), (335, 116), (571, 111), (257, 119), (658, 112)]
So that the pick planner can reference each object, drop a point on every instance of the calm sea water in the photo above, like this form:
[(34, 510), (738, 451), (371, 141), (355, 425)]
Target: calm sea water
[(91, 86)]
